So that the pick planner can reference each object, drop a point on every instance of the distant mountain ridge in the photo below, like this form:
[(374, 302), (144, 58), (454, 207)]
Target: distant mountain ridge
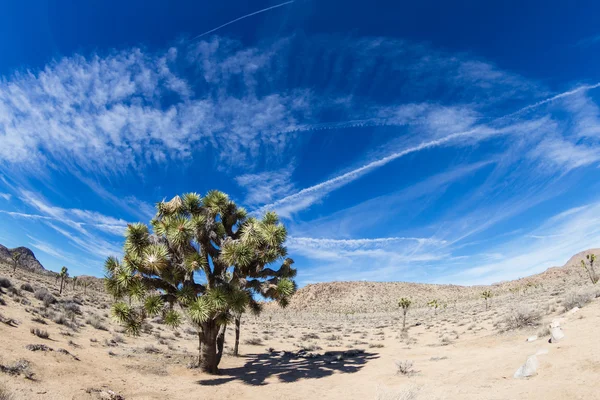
[(368, 297), (27, 260)]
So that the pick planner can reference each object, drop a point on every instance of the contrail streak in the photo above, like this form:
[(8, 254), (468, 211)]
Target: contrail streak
[(323, 188), (244, 17)]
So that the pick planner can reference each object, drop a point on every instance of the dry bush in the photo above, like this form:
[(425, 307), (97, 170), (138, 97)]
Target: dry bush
[(39, 333), (522, 317), (579, 298), (5, 283), (405, 368), (27, 287), (96, 322)]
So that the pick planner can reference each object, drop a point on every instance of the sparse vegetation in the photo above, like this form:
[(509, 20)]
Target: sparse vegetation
[(522, 317), (40, 333)]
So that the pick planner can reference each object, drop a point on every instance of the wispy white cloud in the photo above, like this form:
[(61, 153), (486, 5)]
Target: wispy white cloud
[(264, 187), (6, 196)]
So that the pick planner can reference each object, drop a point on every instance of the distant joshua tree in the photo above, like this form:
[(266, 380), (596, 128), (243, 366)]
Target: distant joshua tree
[(74, 282), (85, 284), (435, 304), (16, 257), (590, 268), (487, 295), (404, 303), (64, 274)]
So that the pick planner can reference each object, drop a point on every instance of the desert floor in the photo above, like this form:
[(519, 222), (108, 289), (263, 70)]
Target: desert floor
[(462, 352)]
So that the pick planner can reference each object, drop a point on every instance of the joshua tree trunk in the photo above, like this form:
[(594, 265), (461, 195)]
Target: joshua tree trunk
[(208, 347), (404, 320), (237, 335), (62, 281), (220, 342), (15, 267)]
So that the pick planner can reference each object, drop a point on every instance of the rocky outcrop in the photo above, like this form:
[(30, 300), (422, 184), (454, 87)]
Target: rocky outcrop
[(27, 260)]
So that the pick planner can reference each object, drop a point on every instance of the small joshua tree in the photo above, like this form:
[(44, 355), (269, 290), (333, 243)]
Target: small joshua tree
[(404, 303), (64, 274), (590, 268), (85, 284), (435, 304), (74, 282), (204, 257), (487, 295), (16, 257)]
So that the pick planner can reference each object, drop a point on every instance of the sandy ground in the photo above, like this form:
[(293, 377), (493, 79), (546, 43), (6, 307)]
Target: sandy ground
[(457, 354)]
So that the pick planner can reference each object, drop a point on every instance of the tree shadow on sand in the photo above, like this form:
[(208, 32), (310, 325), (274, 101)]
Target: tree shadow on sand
[(290, 367)]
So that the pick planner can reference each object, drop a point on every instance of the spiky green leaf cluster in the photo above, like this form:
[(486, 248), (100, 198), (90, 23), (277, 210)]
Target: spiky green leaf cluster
[(199, 239)]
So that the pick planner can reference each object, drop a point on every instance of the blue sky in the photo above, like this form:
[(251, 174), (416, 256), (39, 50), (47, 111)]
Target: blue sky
[(430, 142)]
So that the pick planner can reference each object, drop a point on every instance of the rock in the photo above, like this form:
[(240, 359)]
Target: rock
[(532, 338), (574, 310), (555, 323), (556, 335), (528, 369)]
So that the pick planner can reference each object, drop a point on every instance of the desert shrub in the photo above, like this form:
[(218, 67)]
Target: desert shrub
[(254, 341), (39, 333), (577, 299), (118, 339), (19, 367), (376, 345), (151, 349), (44, 295), (5, 282), (71, 307), (27, 287), (96, 322), (522, 317), (405, 368), (60, 319), (308, 336), (2, 302), (13, 291)]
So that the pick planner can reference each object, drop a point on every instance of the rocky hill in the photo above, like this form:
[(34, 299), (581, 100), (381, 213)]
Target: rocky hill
[(27, 260), (367, 297)]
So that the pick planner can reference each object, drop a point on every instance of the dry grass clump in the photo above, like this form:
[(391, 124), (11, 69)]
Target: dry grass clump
[(405, 368), (39, 333), (406, 394), (522, 317), (21, 366)]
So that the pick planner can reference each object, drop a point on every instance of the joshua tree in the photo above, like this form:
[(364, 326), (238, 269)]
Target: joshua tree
[(16, 257), (85, 284), (74, 282), (211, 236), (404, 303), (487, 294), (64, 274), (435, 304), (590, 268)]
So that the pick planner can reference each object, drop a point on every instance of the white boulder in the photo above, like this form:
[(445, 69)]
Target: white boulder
[(556, 335), (532, 338), (528, 369)]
